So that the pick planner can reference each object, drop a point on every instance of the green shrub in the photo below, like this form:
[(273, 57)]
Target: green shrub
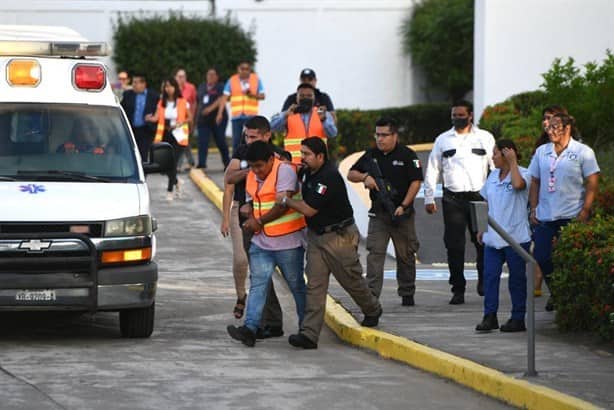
[(438, 36), (588, 94), (157, 45), (504, 120), (583, 279), (417, 123)]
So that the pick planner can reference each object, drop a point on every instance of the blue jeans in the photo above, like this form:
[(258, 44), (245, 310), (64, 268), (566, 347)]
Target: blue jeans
[(543, 235), (517, 282), (218, 131), (262, 263), (237, 131)]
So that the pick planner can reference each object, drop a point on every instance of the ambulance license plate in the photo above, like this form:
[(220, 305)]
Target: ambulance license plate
[(46, 295)]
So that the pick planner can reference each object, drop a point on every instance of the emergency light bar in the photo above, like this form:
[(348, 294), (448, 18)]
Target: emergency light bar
[(54, 48)]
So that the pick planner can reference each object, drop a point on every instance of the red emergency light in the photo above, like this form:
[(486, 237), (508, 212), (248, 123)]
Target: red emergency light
[(89, 77)]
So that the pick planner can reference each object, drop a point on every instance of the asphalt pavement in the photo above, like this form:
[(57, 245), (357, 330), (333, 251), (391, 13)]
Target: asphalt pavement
[(69, 361), (576, 364)]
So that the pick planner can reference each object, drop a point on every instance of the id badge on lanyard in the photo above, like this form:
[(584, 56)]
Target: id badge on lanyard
[(554, 162)]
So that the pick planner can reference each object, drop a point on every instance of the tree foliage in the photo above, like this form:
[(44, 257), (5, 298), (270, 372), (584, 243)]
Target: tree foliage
[(438, 36), (157, 45)]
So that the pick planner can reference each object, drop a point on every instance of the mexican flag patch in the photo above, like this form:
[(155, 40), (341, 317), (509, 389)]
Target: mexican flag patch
[(321, 189), (417, 163)]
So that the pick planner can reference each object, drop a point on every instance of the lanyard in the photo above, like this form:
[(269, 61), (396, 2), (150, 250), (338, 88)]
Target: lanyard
[(554, 162)]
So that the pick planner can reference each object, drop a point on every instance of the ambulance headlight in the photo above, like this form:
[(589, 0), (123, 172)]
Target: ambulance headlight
[(133, 226)]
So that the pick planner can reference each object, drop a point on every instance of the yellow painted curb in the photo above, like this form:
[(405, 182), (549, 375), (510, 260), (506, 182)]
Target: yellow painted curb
[(470, 374), (208, 187)]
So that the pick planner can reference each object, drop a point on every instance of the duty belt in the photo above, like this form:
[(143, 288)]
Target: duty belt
[(334, 227), (462, 196)]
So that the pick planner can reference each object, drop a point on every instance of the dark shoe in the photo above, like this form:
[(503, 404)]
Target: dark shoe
[(242, 334), (300, 340), (407, 300), (371, 321), (457, 299), (489, 323), (513, 325), (269, 331), (480, 288), (550, 305)]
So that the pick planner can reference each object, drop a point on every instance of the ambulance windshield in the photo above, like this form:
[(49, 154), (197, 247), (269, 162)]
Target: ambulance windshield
[(65, 142)]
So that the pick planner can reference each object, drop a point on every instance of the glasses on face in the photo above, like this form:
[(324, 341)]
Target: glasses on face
[(123, 78), (382, 135), (553, 127)]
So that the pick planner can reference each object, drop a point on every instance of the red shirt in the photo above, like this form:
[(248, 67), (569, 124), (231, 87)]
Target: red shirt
[(189, 93)]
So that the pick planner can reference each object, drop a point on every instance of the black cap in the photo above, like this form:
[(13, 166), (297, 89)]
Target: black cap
[(308, 72)]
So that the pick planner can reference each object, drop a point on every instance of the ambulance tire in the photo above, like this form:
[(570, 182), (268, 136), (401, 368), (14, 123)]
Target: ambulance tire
[(137, 323)]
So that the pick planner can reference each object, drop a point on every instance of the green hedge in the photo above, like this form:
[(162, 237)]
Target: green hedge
[(583, 279), (417, 123), (157, 45)]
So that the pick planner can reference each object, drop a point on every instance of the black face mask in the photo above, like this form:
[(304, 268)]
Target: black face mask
[(460, 123), (304, 105)]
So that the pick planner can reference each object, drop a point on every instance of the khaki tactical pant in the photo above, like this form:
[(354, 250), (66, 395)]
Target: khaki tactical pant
[(336, 253), (403, 235)]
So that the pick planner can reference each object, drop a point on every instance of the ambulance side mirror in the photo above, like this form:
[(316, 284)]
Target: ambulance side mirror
[(161, 158)]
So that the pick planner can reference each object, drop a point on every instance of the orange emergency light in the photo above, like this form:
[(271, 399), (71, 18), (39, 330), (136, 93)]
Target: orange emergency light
[(23, 72), (123, 256)]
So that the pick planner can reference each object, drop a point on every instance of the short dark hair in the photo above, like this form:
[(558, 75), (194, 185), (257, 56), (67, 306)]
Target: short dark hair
[(137, 75), (464, 103), (507, 143), (555, 109), (388, 122), (259, 151), (306, 85), (259, 123), (316, 145)]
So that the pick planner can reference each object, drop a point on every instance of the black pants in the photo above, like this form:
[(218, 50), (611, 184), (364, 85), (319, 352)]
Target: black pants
[(179, 150), (144, 137), (272, 315), (456, 219)]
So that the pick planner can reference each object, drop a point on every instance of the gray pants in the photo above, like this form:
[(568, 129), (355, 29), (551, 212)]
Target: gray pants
[(403, 235), (336, 253)]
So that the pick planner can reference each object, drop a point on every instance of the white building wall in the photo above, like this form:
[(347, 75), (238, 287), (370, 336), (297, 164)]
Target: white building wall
[(353, 45), (517, 40)]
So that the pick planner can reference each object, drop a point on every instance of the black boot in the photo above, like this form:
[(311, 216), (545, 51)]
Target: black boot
[(457, 299), (513, 325), (488, 323)]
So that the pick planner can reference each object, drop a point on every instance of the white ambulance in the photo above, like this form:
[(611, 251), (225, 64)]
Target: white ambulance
[(76, 232)]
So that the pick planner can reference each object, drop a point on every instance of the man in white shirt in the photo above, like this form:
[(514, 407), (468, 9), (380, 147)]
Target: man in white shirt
[(461, 159)]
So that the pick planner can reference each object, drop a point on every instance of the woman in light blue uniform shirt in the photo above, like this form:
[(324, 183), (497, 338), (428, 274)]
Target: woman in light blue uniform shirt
[(564, 182), (507, 191)]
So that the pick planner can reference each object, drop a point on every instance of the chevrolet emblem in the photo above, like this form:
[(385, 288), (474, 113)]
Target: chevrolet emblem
[(34, 245)]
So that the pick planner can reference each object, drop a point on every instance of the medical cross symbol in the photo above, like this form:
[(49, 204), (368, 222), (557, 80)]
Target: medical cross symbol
[(32, 188)]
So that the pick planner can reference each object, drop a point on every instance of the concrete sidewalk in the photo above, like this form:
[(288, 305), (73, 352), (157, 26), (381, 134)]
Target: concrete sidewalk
[(576, 365)]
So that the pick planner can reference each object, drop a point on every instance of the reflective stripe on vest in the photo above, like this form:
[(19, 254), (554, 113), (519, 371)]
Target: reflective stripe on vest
[(298, 132), (181, 117), (241, 103), (264, 200)]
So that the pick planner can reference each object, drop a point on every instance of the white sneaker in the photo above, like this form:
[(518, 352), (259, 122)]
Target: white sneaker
[(169, 196), (179, 189)]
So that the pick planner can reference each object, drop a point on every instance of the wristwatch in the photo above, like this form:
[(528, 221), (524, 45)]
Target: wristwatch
[(284, 201)]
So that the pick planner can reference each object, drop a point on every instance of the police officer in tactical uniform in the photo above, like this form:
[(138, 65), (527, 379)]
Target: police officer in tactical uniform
[(332, 242), (392, 173)]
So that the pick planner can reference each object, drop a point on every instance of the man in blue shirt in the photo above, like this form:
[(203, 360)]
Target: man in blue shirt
[(140, 105)]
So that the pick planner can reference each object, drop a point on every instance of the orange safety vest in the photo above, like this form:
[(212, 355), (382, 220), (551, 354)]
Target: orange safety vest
[(240, 103), (298, 132), (264, 200), (181, 117)]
